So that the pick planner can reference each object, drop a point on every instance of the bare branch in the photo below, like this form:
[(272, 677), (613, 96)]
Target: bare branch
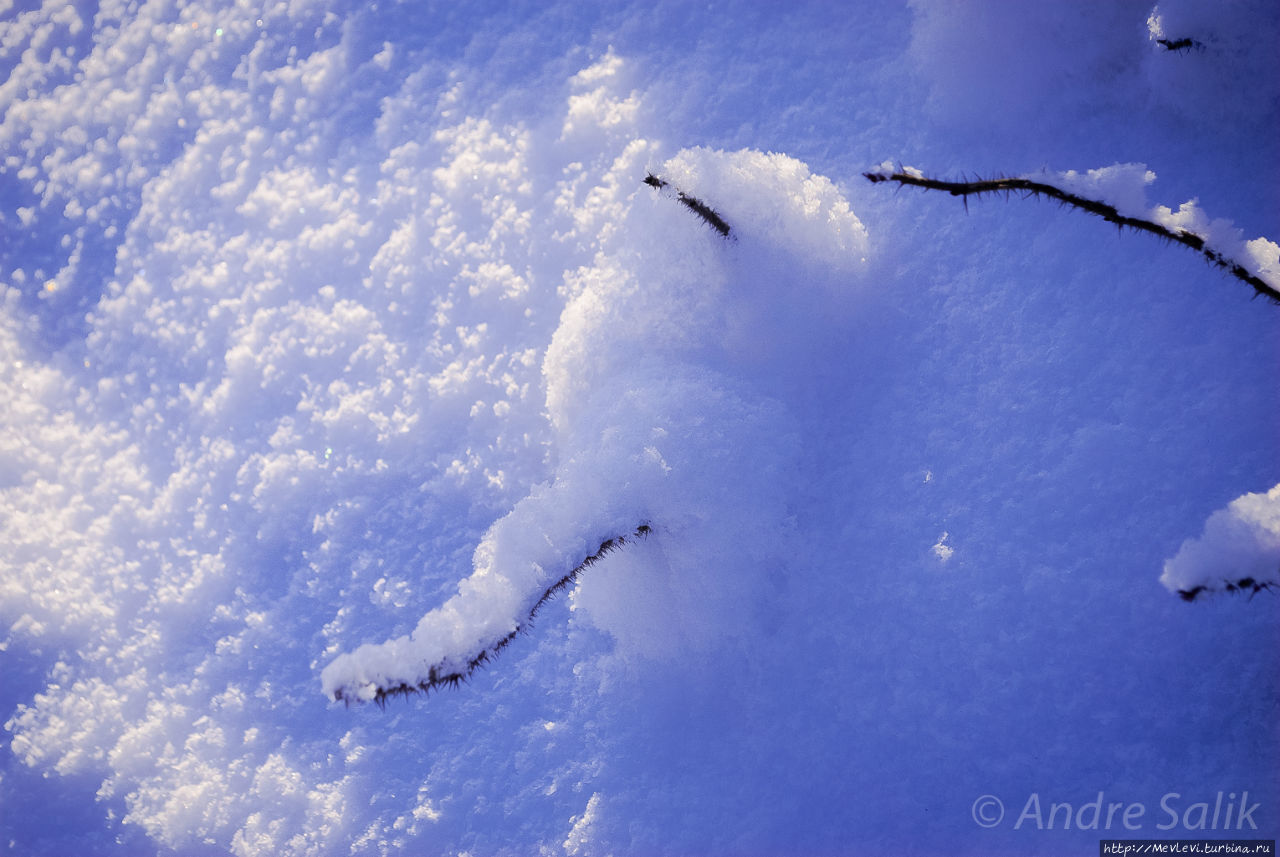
[(1243, 584), (1183, 44)]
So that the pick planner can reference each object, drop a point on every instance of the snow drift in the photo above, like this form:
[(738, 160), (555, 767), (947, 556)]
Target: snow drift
[(651, 409)]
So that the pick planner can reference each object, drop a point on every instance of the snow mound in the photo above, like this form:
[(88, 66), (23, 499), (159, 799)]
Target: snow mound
[(651, 410)]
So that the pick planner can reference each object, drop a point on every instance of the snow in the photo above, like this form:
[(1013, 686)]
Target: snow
[(1240, 542), (641, 440), (1121, 185), (333, 335)]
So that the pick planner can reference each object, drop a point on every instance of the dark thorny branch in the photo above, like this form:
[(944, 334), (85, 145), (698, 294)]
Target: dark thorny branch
[(1183, 44), (1030, 188), (697, 206), (1242, 585), (448, 674)]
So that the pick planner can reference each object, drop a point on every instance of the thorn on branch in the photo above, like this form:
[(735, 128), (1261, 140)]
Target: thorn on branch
[(1192, 593)]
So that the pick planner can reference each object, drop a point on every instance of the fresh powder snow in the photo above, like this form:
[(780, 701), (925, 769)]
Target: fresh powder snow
[(343, 342)]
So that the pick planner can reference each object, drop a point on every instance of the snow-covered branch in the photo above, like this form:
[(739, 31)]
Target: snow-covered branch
[(1256, 262), (419, 663), (1238, 552), (1156, 32)]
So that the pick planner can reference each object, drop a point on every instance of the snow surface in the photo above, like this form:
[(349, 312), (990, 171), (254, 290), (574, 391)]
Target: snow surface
[(322, 322)]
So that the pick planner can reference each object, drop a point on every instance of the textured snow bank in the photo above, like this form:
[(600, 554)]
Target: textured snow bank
[(650, 411)]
